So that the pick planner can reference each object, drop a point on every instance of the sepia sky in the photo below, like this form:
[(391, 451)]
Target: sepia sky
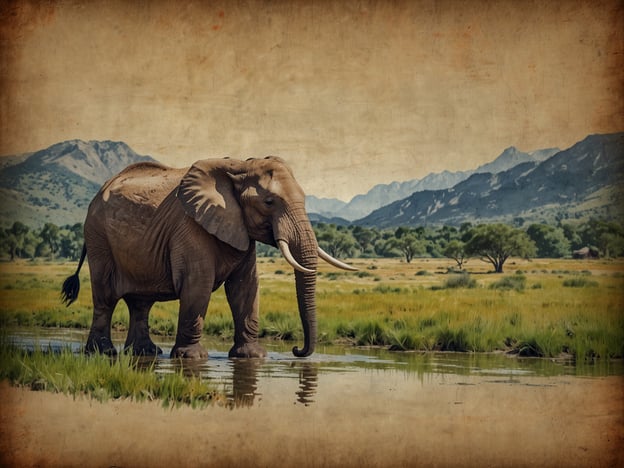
[(350, 93)]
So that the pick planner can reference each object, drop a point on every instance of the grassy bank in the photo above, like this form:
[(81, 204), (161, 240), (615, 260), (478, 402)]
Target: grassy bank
[(537, 308), (100, 377)]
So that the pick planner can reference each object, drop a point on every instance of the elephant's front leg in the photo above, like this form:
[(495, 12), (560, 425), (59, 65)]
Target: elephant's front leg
[(242, 293), (190, 328)]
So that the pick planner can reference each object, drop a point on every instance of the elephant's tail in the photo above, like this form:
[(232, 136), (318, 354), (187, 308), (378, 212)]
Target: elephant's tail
[(71, 286)]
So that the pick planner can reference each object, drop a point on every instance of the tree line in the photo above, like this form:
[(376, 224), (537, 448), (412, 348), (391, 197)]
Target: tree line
[(494, 243), (49, 241), (491, 242)]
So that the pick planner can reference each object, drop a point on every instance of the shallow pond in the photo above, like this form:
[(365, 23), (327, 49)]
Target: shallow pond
[(307, 381), (347, 406)]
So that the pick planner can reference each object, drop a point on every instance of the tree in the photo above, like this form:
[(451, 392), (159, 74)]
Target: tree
[(608, 236), (336, 242), (570, 233), (50, 235), (550, 241), (364, 237), (409, 245), (15, 239), (386, 247), (71, 240), (456, 250), (447, 233), (495, 243)]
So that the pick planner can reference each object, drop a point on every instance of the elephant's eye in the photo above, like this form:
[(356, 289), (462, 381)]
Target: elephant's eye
[(269, 201)]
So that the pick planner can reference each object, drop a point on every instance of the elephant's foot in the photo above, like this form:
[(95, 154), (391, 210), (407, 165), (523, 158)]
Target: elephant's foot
[(194, 351), (145, 348), (100, 344), (247, 350)]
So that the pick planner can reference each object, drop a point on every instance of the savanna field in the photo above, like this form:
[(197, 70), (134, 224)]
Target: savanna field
[(541, 307)]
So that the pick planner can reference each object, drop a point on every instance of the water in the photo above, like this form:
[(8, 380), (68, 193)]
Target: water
[(281, 378), (344, 406)]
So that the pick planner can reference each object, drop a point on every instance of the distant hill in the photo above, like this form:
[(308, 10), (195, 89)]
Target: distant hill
[(57, 184), (317, 218), (384, 194), (511, 157), (582, 181), (323, 206)]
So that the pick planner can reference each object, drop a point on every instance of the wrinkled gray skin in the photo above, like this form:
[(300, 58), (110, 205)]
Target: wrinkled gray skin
[(155, 233)]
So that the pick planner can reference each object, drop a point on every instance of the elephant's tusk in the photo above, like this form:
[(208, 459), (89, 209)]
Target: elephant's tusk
[(283, 246), (332, 261)]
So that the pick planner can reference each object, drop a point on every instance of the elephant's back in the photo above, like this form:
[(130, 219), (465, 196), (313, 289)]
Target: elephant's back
[(125, 205), (144, 183)]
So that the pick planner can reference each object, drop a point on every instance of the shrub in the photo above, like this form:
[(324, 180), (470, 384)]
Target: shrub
[(462, 280), (517, 282), (384, 289), (333, 276), (579, 283)]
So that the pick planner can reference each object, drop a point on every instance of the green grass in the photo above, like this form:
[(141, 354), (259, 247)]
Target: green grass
[(538, 308), (100, 377)]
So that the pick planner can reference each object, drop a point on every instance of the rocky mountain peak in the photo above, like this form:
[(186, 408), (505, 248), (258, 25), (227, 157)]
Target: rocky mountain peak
[(95, 161)]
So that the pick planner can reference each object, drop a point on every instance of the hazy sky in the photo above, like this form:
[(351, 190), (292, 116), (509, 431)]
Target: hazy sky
[(350, 93)]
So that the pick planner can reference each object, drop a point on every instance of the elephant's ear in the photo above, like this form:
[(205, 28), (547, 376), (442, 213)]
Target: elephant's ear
[(207, 195)]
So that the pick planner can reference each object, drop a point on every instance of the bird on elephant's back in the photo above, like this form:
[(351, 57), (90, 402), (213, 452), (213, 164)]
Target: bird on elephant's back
[(155, 233)]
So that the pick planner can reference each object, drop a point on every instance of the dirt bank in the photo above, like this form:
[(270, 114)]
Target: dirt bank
[(549, 422)]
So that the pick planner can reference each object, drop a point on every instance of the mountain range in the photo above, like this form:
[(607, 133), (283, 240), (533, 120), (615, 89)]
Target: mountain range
[(384, 194), (582, 181), (56, 185)]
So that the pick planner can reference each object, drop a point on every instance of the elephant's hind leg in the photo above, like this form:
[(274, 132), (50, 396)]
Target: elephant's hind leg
[(99, 340), (138, 341)]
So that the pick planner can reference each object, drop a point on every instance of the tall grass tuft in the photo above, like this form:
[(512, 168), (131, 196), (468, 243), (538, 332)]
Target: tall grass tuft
[(516, 282), (280, 326), (461, 280), (100, 377), (371, 333), (580, 282), (452, 340)]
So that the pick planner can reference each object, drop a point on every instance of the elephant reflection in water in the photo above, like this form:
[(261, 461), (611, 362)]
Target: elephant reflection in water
[(308, 382), (245, 380)]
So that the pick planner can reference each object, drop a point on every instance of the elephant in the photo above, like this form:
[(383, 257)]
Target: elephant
[(156, 233)]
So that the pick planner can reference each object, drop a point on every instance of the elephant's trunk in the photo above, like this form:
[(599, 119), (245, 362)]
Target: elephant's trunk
[(306, 289), (296, 231)]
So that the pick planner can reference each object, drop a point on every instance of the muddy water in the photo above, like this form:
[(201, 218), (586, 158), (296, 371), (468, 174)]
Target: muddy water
[(356, 407)]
